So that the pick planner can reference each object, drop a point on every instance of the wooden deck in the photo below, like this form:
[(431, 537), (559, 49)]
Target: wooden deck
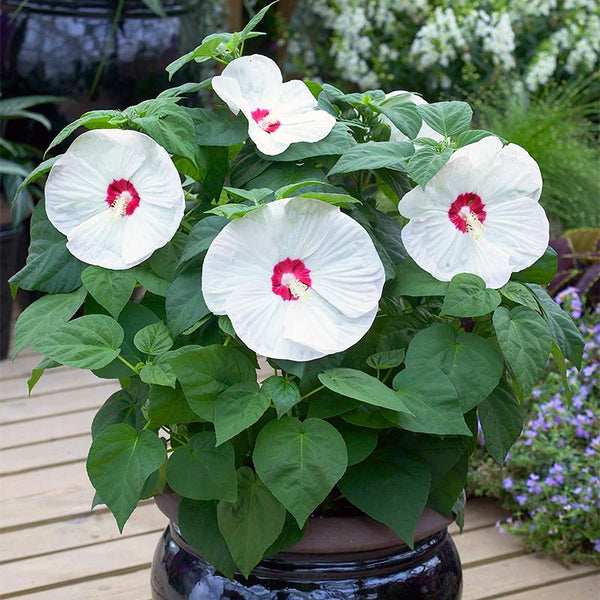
[(53, 548)]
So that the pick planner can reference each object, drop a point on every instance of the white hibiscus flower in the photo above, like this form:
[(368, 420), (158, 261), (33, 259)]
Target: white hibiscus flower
[(278, 113), (117, 197), (479, 214), (298, 278)]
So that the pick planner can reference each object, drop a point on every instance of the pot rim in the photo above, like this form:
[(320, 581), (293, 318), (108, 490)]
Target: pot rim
[(339, 535)]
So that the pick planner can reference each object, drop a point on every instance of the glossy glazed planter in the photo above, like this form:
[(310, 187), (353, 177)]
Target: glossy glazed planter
[(339, 558)]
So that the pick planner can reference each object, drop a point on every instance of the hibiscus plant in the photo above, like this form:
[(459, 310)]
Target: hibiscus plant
[(308, 304)]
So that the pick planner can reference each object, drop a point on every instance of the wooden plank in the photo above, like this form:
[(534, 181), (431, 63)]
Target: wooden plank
[(59, 381), (46, 429), (92, 528), (20, 367), (70, 566), (586, 588), (483, 545), (132, 586), (499, 578), (46, 454), (84, 398), (480, 512)]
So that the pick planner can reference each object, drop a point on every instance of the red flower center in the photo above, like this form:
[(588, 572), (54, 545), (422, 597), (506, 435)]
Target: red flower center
[(265, 120), (122, 197), (467, 213), (290, 279)]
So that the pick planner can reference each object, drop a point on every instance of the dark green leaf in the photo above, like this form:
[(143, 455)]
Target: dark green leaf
[(252, 523), (202, 472), (519, 293), (111, 289), (404, 117), (300, 462), (386, 360), (199, 54), (121, 407), (425, 163), (290, 535), (167, 406), (37, 372), (89, 342), (218, 128), (153, 339), (374, 155), (471, 136), (447, 118), (151, 281), (185, 303), (444, 493), (119, 462), (542, 271), (360, 442), (411, 280), (283, 393), (40, 170), (96, 119), (467, 296), (201, 237), (158, 373)]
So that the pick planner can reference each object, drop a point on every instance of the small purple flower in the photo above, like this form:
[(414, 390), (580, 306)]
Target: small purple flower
[(596, 545), (507, 483), (521, 499)]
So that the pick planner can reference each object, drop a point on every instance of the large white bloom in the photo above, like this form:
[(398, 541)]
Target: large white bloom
[(479, 214), (298, 278), (117, 197), (425, 132), (278, 113)]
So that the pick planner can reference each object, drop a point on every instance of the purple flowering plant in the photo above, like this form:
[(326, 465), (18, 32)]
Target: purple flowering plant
[(551, 479)]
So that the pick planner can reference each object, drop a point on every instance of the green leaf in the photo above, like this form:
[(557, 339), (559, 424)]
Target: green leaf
[(202, 472), (360, 442), (37, 372), (237, 408), (287, 191), (119, 462), (341, 200), (432, 398), (50, 266), (89, 342), (41, 318), (153, 339), (300, 462), (525, 341), (290, 535), (542, 271), (121, 407), (501, 420), (467, 296), (199, 54), (185, 303), (337, 142), (206, 372), (411, 280), (10, 167), (111, 289), (156, 7), (201, 237), (252, 523), (447, 118), (191, 87), (197, 520), (231, 211), (167, 406), (519, 293), (386, 360), (95, 119), (445, 493), (158, 373), (40, 170), (169, 124), (560, 362), (425, 163), (254, 21), (218, 128), (471, 362), (471, 136), (564, 332), (404, 116), (283, 393), (374, 155), (151, 281), (376, 484), (360, 386)]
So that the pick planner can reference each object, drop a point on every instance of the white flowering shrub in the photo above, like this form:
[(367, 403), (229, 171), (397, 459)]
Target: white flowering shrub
[(437, 45)]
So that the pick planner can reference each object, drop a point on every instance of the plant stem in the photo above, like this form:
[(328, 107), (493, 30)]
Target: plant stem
[(321, 387), (125, 362)]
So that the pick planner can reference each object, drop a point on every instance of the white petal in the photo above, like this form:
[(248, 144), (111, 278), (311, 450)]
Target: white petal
[(313, 322), (228, 89), (243, 251), (258, 317), (482, 154), (442, 250), (521, 228), (268, 143), (308, 126), (99, 241), (259, 81), (295, 97), (74, 192)]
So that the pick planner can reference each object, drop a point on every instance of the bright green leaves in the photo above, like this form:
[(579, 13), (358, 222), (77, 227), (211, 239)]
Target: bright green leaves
[(374, 155), (239, 407), (525, 341), (501, 420), (448, 118), (119, 462), (471, 362), (403, 115), (426, 162), (89, 342), (43, 317), (360, 386), (153, 339), (202, 472), (300, 462), (111, 289), (206, 372), (391, 488), (284, 394), (467, 296), (252, 523)]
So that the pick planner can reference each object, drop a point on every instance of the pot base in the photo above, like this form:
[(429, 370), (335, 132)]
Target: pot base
[(431, 571)]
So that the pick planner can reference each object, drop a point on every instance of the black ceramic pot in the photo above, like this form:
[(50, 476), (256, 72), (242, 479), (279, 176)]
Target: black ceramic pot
[(350, 558)]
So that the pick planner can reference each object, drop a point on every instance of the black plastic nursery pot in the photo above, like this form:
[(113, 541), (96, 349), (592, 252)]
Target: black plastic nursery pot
[(339, 558)]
